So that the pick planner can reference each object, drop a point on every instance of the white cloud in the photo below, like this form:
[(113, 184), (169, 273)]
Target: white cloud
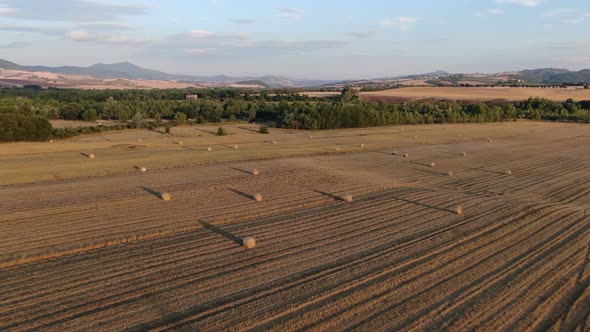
[(567, 15), (6, 10), (199, 50), (201, 33), (526, 3), (290, 13), (495, 11), (244, 20), (401, 22), (87, 36)]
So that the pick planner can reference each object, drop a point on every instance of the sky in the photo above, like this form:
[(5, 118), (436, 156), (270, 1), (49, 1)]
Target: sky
[(320, 39)]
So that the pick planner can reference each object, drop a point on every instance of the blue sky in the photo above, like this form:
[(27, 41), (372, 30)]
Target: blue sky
[(306, 39)]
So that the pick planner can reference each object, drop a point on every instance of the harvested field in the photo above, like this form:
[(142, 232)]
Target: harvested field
[(497, 94), (105, 253)]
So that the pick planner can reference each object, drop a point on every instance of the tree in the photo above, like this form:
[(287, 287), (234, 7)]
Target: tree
[(137, 120), (90, 115), (586, 86), (180, 118)]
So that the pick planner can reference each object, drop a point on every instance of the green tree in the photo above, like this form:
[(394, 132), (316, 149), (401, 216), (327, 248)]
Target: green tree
[(180, 119)]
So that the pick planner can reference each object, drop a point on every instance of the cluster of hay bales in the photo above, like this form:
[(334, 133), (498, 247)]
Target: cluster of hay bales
[(249, 242), (347, 198)]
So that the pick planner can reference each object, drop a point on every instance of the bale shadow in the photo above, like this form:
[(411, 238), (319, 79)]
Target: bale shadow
[(151, 191), (136, 167), (419, 163), (485, 170), (241, 170), (241, 193), (430, 172), (221, 232), (323, 193), (87, 155)]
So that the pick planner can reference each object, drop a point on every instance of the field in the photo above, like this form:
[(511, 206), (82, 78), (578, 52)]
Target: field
[(500, 94), (87, 244)]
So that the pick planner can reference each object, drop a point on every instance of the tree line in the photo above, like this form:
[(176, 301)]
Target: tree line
[(25, 112)]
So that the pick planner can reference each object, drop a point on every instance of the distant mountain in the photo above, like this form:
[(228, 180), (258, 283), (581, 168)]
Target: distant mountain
[(130, 71), (554, 76), (253, 82)]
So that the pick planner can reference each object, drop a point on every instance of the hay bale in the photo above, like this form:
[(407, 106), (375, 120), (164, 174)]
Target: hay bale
[(459, 210), (235, 146), (165, 196), (337, 149), (249, 242), (310, 136), (50, 141), (362, 145), (91, 156), (209, 149), (257, 197), (509, 172), (255, 172), (394, 153), (464, 154), (143, 169), (180, 142), (406, 155), (450, 173), (347, 198), (432, 164), (274, 142), (489, 140)]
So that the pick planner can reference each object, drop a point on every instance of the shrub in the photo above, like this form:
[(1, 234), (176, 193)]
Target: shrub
[(17, 127), (167, 129), (263, 130), (221, 131)]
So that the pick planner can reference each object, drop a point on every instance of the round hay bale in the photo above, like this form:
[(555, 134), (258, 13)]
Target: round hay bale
[(209, 149), (489, 140), (310, 136), (165, 196), (235, 146), (255, 172), (180, 142), (50, 141), (406, 155), (274, 142), (91, 156), (143, 169), (249, 242), (394, 153), (337, 149), (362, 145), (257, 197), (459, 210), (450, 173), (347, 198), (509, 172), (464, 154), (432, 164)]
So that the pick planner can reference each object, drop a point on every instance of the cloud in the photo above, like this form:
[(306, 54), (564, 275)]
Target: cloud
[(201, 33), (244, 20), (70, 10), (290, 13), (402, 23), (104, 26), (495, 11), (579, 60), (360, 34), (87, 36), (6, 10), (525, 3), (14, 45), (45, 30), (567, 15)]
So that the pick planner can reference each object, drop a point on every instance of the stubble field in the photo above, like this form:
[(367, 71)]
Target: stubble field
[(476, 94), (88, 245)]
